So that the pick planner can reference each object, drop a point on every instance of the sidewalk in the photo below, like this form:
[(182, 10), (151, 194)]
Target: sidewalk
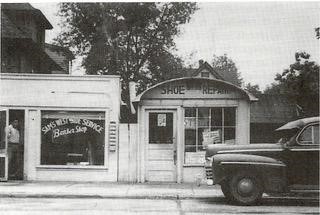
[(19, 189)]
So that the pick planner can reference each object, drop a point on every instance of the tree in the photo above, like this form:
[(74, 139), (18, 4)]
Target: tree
[(254, 89), (164, 65), (300, 82), (227, 68), (132, 40)]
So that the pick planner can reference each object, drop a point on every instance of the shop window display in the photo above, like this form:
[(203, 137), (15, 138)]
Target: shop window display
[(72, 138), (207, 125)]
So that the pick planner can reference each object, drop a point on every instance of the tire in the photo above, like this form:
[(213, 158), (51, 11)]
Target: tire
[(245, 188), (225, 188)]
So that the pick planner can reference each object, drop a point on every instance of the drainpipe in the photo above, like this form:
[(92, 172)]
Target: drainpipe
[(132, 95)]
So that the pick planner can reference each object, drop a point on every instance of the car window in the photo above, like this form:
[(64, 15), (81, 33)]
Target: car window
[(310, 135)]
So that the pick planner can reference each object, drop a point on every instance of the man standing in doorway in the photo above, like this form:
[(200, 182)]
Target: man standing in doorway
[(15, 149)]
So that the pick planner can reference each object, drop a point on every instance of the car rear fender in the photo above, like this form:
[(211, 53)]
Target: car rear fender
[(272, 172)]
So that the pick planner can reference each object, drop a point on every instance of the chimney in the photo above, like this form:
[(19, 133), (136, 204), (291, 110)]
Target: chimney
[(200, 63), (132, 94)]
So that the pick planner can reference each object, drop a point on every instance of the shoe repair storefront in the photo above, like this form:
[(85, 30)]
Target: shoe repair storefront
[(178, 118), (67, 127)]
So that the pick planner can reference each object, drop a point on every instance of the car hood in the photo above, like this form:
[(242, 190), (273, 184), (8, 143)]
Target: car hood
[(225, 148)]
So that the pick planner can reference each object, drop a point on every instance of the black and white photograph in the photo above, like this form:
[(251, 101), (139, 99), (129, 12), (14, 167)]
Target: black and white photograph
[(167, 107)]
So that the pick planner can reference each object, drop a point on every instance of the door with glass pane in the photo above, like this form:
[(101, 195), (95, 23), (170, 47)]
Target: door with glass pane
[(161, 146), (3, 145)]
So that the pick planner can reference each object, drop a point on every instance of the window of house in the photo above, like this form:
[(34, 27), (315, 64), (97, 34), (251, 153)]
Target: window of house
[(72, 138), (204, 126), (205, 74), (310, 135)]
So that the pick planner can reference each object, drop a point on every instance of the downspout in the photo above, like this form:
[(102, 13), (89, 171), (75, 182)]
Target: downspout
[(132, 95)]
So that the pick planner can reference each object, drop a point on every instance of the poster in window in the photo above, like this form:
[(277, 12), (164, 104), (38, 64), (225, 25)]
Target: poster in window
[(162, 120), (190, 123), (211, 137)]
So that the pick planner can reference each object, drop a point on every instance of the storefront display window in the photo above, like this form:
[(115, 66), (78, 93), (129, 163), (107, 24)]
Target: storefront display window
[(204, 126), (72, 138)]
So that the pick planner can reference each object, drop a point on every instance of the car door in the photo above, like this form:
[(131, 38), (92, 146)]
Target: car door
[(303, 159)]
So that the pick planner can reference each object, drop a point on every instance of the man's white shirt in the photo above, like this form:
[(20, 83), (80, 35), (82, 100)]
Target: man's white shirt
[(13, 135)]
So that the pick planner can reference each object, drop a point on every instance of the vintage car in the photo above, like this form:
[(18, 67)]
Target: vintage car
[(245, 172)]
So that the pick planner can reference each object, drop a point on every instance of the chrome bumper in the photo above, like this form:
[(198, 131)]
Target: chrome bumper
[(209, 173)]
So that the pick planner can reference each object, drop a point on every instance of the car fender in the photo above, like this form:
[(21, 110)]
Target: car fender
[(272, 172)]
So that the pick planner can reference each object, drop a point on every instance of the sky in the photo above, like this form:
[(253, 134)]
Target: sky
[(260, 37)]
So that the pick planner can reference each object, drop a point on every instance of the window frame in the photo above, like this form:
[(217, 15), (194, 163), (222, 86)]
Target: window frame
[(300, 133), (149, 127), (207, 74), (222, 126), (106, 112)]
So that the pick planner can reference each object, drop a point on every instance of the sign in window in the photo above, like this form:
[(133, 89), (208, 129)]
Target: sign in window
[(207, 125), (72, 138)]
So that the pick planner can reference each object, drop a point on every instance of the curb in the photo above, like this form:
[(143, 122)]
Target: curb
[(73, 196), (155, 197)]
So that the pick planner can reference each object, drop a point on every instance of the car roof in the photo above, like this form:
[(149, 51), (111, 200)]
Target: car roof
[(299, 123)]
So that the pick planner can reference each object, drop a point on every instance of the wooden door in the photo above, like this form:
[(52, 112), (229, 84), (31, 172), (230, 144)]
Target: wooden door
[(161, 146)]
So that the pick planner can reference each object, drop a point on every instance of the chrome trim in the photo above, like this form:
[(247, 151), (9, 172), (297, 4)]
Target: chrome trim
[(251, 150), (253, 163), (302, 130), (305, 149), (304, 191)]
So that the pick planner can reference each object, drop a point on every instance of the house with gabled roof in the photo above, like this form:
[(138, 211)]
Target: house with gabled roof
[(205, 70), (23, 48)]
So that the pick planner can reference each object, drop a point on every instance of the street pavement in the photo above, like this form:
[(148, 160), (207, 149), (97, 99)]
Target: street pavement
[(118, 206), (22, 189), (125, 198)]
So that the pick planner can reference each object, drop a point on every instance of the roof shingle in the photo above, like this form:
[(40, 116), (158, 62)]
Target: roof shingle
[(273, 109), (60, 55), (9, 29), (27, 7)]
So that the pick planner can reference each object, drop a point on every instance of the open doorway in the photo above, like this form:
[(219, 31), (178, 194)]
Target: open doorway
[(15, 144)]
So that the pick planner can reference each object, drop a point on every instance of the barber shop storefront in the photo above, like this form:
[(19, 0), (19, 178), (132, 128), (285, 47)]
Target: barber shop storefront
[(179, 117), (67, 126)]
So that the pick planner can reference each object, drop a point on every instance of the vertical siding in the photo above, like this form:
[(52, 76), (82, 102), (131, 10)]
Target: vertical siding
[(243, 125), (32, 146), (127, 152)]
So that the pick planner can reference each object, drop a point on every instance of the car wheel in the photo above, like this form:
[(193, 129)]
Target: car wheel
[(226, 190), (245, 188)]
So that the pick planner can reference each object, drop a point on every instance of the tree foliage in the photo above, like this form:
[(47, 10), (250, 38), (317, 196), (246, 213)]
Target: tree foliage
[(227, 68), (253, 88), (132, 40), (300, 82)]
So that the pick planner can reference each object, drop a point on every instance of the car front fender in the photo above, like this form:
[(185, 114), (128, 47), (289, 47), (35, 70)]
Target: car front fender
[(272, 172)]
